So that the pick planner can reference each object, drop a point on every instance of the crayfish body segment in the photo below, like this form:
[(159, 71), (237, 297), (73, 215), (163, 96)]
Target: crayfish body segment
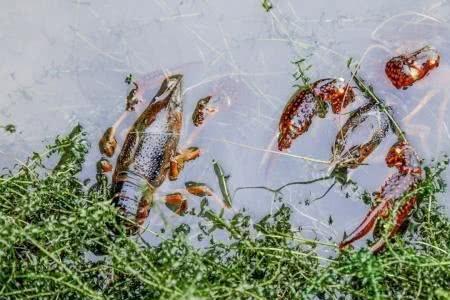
[(201, 110), (296, 118), (108, 142), (335, 91)]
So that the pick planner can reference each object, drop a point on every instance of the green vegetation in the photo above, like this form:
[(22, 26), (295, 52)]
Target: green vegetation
[(52, 224), (10, 128), (267, 5), (368, 92)]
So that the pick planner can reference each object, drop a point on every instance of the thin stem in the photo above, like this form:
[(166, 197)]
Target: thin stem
[(278, 190), (369, 94)]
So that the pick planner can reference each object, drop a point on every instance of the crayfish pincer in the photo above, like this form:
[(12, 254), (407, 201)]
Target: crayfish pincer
[(309, 101)]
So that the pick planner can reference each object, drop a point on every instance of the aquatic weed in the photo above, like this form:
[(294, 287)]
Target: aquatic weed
[(59, 239)]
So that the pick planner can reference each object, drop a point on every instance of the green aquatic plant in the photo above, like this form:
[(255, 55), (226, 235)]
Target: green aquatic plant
[(301, 73), (267, 5), (10, 128), (59, 239), (129, 79)]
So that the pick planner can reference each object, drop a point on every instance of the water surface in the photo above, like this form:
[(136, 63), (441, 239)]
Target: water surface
[(64, 62)]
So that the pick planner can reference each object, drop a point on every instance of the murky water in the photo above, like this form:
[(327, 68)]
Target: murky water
[(64, 62)]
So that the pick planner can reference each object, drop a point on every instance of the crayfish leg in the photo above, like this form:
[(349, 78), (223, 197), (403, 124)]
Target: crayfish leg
[(176, 166), (177, 203)]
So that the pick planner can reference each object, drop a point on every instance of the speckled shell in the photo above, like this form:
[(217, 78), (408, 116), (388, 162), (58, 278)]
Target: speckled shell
[(144, 161), (404, 70), (334, 91), (296, 117), (357, 154), (152, 140), (302, 107), (403, 157), (394, 188)]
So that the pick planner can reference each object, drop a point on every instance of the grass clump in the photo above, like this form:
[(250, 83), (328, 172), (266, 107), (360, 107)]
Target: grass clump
[(51, 225)]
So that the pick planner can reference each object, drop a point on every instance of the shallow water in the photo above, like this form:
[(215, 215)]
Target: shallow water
[(64, 62)]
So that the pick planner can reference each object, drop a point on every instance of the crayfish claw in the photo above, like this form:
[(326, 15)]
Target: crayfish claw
[(366, 225)]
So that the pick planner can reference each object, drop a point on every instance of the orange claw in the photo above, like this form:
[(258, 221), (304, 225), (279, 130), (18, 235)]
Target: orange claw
[(403, 157), (394, 188), (198, 189), (404, 70), (303, 106), (400, 219), (108, 142)]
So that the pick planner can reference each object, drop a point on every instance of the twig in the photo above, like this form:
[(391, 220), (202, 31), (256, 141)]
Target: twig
[(370, 94), (278, 190)]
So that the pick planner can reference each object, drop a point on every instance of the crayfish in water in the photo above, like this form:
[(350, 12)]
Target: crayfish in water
[(392, 201), (149, 155)]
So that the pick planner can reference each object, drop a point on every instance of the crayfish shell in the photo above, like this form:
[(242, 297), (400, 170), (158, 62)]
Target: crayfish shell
[(199, 114), (392, 198), (367, 117), (303, 106), (108, 143), (397, 185), (296, 117), (404, 70)]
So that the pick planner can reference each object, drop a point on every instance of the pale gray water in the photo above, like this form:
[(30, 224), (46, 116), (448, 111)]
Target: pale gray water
[(64, 62)]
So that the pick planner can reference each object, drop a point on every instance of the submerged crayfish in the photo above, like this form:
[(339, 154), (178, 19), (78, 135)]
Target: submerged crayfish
[(201, 110), (149, 155), (392, 201)]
